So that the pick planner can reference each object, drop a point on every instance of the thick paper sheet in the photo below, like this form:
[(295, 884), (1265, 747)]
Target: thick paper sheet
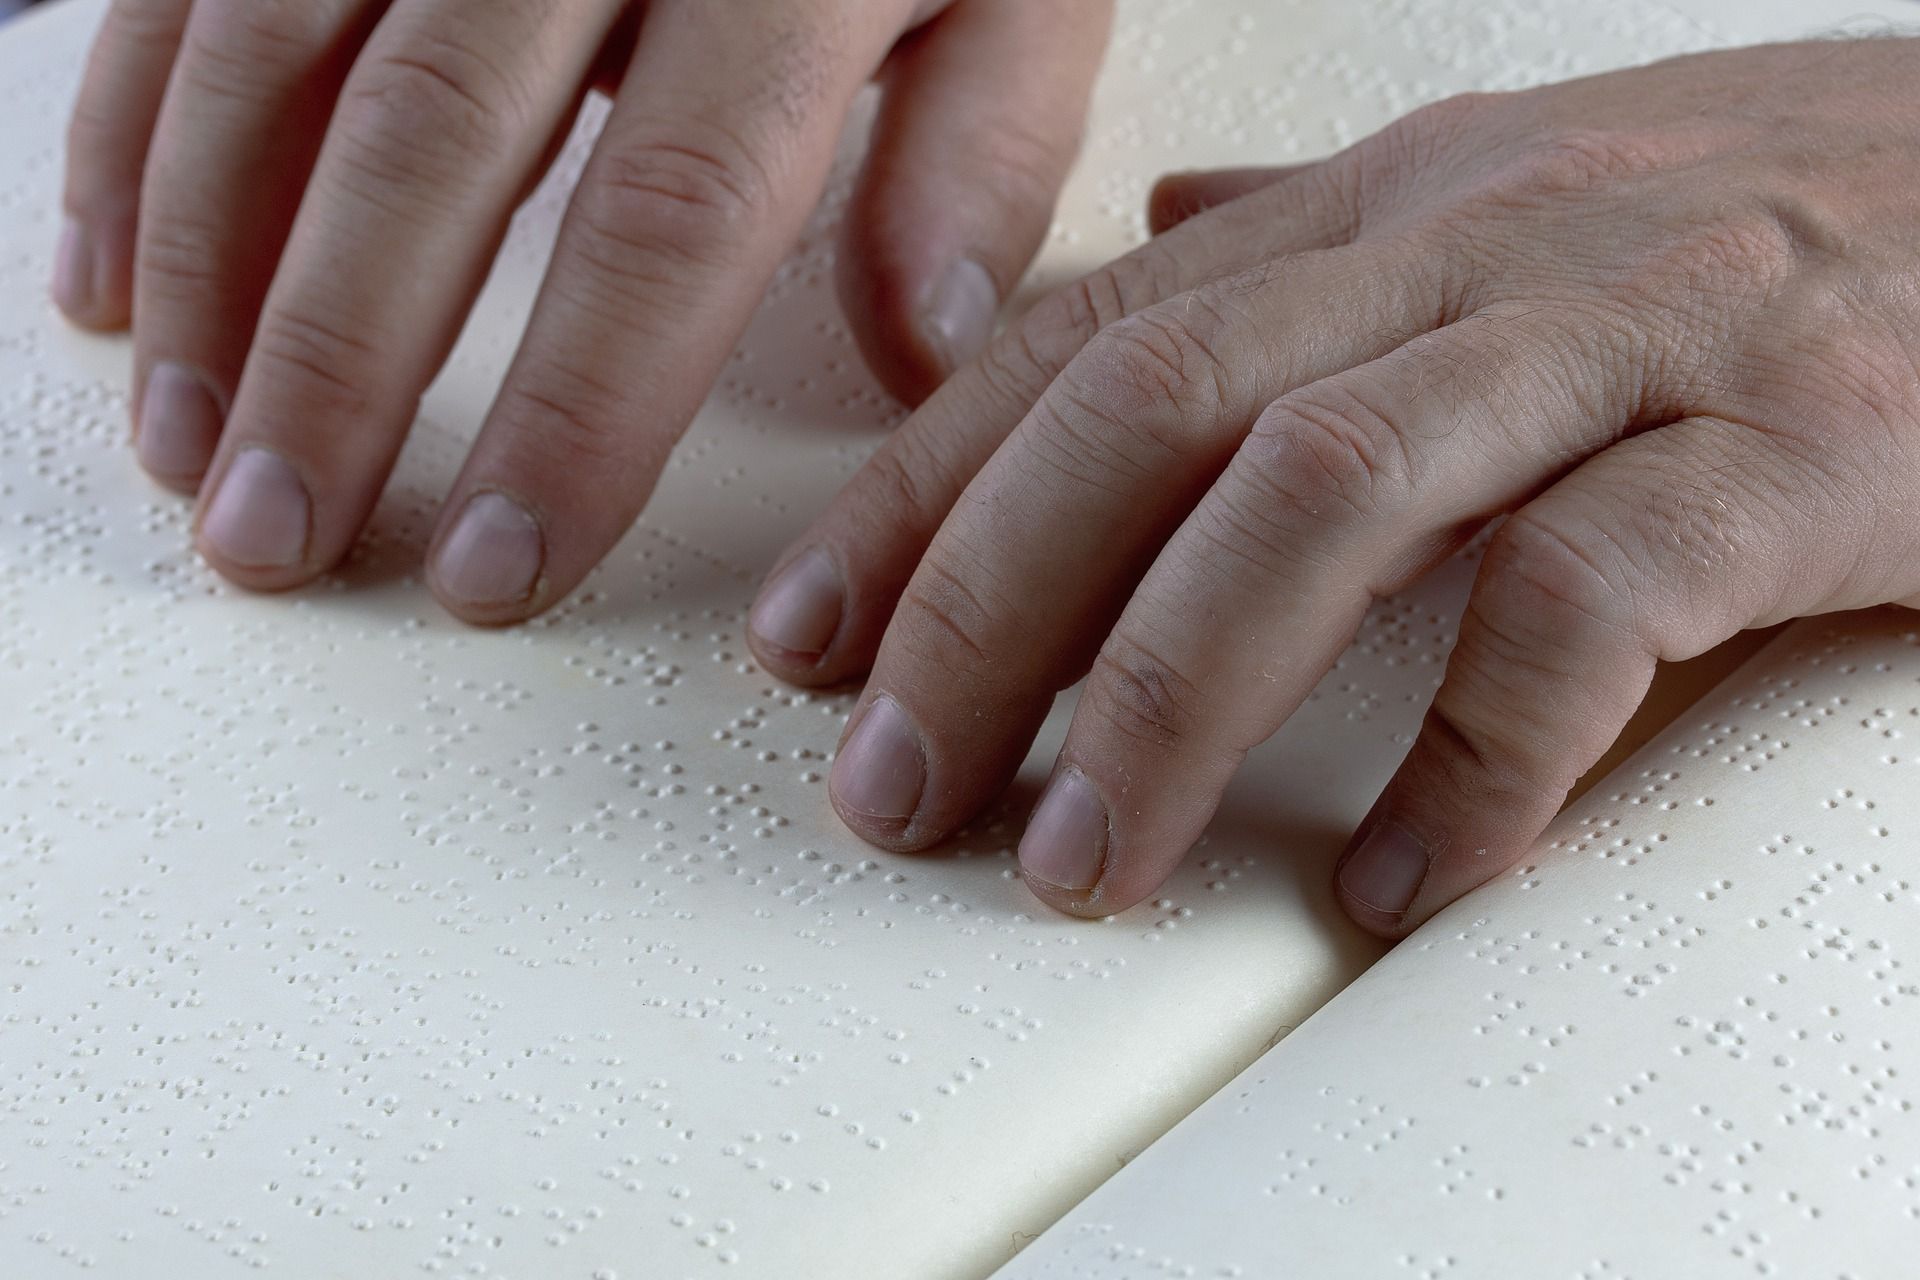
[(338, 939), (1681, 1043)]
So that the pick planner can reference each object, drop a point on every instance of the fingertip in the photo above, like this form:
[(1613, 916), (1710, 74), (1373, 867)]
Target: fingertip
[(879, 777), (1176, 197), (797, 613), (487, 563), (1086, 904), (794, 668), (1380, 878), (73, 271), (978, 127), (178, 427), (185, 486), (255, 526), (820, 615), (1065, 844), (1168, 203), (264, 580), (92, 279), (1391, 926), (956, 320), (915, 324), (486, 618)]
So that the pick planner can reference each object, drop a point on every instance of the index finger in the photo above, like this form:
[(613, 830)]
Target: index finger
[(710, 161)]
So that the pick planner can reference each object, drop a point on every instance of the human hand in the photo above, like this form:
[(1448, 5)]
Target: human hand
[(299, 228), (1667, 321)]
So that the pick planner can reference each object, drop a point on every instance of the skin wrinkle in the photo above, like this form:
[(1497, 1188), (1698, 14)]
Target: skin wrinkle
[(1234, 529), (1612, 287), (1671, 314), (1709, 287), (1144, 366), (303, 341), (1554, 357), (737, 114), (1073, 455)]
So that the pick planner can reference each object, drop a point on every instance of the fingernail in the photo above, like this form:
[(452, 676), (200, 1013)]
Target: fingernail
[(959, 315), (1385, 870), (179, 424), (1065, 844), (799, 610), (259, 515), (881, 771), (493, 553), (73, 284)]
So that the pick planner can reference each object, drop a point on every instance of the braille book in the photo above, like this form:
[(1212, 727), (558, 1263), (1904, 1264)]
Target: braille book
[(340, 939)]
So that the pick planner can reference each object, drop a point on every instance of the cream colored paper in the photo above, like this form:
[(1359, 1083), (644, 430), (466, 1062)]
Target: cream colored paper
[(339, 940), (1681, 1043)]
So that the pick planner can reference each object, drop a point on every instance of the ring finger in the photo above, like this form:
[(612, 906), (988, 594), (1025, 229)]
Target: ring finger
[(107, 140), (1052, 535), (1345, 490), (235, 141), (820, 617)]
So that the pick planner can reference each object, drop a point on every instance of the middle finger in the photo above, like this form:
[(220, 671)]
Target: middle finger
[(823, 609), (1043, 549), (445, 115)]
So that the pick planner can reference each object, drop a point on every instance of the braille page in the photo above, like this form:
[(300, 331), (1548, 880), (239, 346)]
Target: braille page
[(337, 939), (1681, 1042)]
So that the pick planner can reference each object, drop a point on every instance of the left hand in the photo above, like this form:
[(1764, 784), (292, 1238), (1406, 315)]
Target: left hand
[(295, 203), (1666, 321)]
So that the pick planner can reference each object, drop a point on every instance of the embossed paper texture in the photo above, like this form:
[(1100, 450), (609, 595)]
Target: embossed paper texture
[(339, 940), (1680, 1043)]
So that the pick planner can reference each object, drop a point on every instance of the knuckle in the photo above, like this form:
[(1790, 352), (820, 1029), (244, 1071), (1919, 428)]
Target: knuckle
[(1545, 166), (93, 129), (948, 619), (1061, 324), (1236, 524), (689, 196), (893, 482), (574, 423), (178, 256), (1447, 117), (151, 23), (1141, 696), (1145, 392), (1688, 283), (101, 140), (1156, 366), (1325, 455), (1485, 756), (1540, 579), (1028, 163), (323, 359), (132, 30), (1720, 256), (1587, 158), (1539, 618), (247, 46), (1804, 224), (1413, 143), (433, 109), (1751, 245)]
